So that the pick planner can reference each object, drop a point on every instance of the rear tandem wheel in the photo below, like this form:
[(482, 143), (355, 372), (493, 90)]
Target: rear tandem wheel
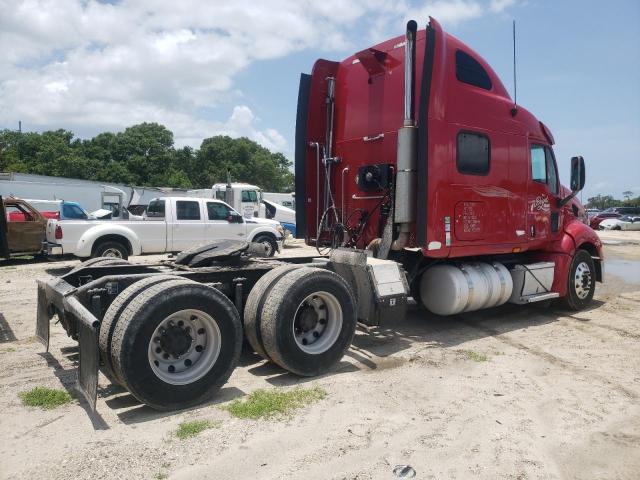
[(308, 321), (100, 262), (176, 343), (255, 303), (111, 316)]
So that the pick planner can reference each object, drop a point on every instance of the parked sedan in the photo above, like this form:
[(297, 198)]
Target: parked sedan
[(623, 223)]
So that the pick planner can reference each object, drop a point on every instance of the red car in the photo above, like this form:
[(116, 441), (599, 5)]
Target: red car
[(20, 217)]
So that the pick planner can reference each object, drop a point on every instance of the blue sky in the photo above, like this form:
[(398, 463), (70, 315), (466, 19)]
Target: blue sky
[(205, 68), (578, 73)]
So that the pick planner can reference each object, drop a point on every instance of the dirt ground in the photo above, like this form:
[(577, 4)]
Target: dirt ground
[(558, 397)]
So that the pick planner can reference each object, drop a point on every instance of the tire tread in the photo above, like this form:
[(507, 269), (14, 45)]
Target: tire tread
[(112, 315), (255, 303)]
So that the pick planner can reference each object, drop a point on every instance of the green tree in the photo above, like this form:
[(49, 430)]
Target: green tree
[(145, 155), (602, 202), (246, 160)]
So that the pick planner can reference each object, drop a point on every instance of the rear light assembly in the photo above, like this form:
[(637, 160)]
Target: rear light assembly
[(58, 232)]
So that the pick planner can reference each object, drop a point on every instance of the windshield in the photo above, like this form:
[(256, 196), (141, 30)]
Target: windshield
[(73, 212), (249, 196)]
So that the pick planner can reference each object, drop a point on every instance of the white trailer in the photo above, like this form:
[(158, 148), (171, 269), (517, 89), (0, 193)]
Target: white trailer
[(285, 199)]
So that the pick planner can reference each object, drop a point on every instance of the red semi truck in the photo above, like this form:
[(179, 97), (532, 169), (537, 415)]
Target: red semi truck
[(416, 176), (414, 147)]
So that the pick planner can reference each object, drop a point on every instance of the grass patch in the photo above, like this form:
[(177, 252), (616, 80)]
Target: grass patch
[(475, 356), (195, 427), (269, 403), (160, 476), (46, 398)]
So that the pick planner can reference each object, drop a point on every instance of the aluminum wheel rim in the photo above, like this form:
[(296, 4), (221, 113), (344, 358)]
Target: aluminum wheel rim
[(198, 359), (582, 280), (112, 253), (318, 338), (268, 249)]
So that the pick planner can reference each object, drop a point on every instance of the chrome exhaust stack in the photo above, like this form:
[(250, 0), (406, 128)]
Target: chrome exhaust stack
[(406, 161)]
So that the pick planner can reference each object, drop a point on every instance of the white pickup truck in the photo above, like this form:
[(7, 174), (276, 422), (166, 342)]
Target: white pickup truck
[(170, 224)]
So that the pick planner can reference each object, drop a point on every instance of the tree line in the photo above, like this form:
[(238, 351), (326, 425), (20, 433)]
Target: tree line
[(602, 202), (144, 155)]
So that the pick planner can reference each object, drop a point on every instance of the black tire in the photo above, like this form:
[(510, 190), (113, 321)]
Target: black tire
[(578, 284), (109, 246), (286, 300), (111, 316), (100, 261), (269, 243), (136, 326), (255, 303)]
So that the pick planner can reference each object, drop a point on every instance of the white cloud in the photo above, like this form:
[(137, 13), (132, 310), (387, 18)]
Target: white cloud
[(498, 6), (88, 66), (447, 12)]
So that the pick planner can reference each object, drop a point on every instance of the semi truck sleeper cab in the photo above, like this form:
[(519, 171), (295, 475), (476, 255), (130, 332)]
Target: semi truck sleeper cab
[(416, 176)]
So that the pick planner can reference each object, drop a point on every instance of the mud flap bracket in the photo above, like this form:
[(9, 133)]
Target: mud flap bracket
[(89, 353)]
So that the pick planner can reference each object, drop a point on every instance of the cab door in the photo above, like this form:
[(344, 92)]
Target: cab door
[(219, 224), (25, 228), (543, 213), (249, 204), (188, 225)]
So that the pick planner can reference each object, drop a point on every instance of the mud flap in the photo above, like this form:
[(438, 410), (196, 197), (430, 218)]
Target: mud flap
[(89, 353), (43, 320)]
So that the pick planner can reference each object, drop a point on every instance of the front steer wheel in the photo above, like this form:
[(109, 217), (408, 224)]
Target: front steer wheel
[(176, 343), (268, 243), (308, 321), (581, 282)]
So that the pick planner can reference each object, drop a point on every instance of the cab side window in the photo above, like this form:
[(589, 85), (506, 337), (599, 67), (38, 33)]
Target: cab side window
[(538, 164), (155, 209), (217, 211), (543, 167), (17, 213), (473, 153), (469, 71), (186, 210)]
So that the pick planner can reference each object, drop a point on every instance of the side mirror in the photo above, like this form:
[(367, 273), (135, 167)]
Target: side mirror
[(577, 174), (235, 218), (577, 179)]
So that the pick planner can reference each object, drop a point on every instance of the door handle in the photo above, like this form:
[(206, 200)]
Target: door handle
[(532, 231)]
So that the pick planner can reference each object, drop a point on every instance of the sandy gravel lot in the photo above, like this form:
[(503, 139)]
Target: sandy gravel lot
[(558, 397)]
